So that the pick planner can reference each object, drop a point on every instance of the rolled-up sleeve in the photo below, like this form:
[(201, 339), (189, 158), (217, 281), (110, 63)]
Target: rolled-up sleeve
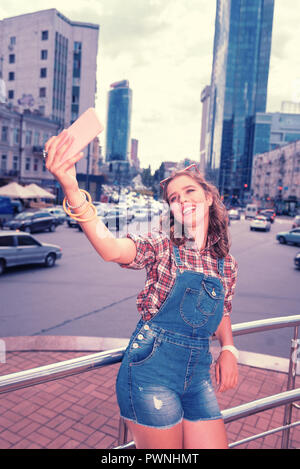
[(146, 250), (231, 284)]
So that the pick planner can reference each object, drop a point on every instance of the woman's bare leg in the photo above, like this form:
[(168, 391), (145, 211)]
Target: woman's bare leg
[(205, 434), (154, 438)]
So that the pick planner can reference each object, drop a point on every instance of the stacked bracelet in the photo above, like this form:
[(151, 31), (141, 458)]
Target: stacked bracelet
[(88, 200)]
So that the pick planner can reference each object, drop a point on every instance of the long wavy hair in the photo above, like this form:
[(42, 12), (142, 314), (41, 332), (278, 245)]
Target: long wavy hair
[(218, 217)]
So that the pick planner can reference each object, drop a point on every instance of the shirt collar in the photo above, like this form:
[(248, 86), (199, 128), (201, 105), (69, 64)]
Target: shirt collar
[(211, 240)]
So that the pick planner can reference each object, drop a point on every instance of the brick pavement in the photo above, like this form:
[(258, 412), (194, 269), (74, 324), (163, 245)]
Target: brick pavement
[(81, 411)]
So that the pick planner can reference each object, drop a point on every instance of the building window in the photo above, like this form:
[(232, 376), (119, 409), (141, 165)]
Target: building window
[(15, 163), (27, 164), (36, 164), (12, 40), (45, 35), (44, 165), (44, 54), (11, 76), (10, 94), (36, 138), (28, 138), (16, 136), (45, 137), (3, 162), (43, 73), (4, 133), (11, 58), (42, 92)]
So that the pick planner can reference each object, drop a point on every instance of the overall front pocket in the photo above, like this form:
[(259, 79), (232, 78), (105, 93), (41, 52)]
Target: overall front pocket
[(198, 305), (143, 347)]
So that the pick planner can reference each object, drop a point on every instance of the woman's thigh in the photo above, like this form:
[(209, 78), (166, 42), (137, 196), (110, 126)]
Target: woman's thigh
[(204, 434), (156, 438)]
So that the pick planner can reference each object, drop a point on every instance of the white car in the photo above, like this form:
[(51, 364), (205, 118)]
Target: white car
[(260, 223)]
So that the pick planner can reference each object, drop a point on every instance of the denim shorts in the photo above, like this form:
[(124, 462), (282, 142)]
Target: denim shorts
[(164, 378)]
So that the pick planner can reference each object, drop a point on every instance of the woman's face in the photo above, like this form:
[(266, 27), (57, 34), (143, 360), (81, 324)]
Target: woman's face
[(188, 201)]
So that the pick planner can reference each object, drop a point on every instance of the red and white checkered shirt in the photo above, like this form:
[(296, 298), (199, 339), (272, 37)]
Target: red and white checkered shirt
[(154, 253)]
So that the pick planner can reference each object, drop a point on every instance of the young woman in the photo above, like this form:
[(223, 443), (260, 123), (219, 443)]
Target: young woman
[(164, 388)]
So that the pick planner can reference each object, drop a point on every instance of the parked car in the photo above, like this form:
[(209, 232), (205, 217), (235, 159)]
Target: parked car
[(292, 236), (17, 248), (32, 222), (297, 260), (260, 223), (269, 214), (58, 213), (251, 211), (296, 221), (234, 214)]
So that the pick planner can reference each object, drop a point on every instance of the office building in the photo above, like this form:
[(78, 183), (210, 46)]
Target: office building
[(118, 124), (204, 136), (49, 64), (134, 159), (241, 55), (271, 130)]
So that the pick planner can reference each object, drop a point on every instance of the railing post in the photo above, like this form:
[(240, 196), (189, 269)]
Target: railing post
[(290, 385), (123, 432)]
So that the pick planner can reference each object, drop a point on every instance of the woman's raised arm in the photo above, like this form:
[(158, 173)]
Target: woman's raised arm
[(101, 238)]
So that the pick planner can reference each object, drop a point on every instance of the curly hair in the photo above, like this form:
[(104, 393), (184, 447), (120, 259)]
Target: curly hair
[(218, 218)]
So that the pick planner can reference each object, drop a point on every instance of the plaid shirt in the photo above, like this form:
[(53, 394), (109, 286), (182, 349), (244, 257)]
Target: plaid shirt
[(154, 253)]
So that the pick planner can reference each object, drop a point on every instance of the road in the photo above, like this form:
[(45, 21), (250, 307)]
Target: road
[(83, 295)]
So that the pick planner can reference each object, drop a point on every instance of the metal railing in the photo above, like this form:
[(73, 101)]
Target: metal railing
[(288, 398)]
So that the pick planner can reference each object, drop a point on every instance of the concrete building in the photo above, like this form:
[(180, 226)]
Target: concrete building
[(49, 64), (276, 178), (22, 139)]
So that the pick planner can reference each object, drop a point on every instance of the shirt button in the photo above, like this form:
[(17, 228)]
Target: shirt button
[(135, 345), (146, 327), (140, 336)]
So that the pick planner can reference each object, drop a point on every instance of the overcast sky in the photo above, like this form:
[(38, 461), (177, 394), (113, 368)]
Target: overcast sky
[(164, 48)]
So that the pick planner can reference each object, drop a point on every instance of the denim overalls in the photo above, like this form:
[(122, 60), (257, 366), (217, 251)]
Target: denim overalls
[(164, 375)]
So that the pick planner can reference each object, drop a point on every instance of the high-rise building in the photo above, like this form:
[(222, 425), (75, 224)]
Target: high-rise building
[(118, 123), (134, 159), (49, 65), (204, 136), (241, 56)]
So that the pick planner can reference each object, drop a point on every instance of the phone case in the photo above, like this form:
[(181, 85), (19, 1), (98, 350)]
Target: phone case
[(84, 130)]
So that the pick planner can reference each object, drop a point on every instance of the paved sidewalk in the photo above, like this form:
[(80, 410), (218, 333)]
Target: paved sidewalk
[(81, 411)]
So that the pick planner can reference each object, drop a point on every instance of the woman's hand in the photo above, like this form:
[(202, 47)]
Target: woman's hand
[(65, 172), (226, 371)]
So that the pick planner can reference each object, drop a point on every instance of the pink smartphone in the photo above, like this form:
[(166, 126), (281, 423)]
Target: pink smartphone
[(84, 130)]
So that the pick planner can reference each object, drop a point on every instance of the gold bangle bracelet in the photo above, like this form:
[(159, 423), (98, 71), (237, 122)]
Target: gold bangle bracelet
[(66, 209), (71, 214), (92, 217)]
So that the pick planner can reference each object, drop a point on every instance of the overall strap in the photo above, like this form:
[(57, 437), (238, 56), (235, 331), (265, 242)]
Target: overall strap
[(221, 266), (178, 261)]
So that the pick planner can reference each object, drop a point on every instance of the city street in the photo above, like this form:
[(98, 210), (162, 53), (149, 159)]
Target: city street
[(84, 296)]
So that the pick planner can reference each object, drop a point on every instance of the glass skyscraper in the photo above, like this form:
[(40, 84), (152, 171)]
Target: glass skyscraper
[(241, 56), (118, 122)]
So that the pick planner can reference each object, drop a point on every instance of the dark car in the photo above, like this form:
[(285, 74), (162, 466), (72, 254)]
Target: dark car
[(18, 248), (269, 214), (33, 222), (297, 260), (58, 213)]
